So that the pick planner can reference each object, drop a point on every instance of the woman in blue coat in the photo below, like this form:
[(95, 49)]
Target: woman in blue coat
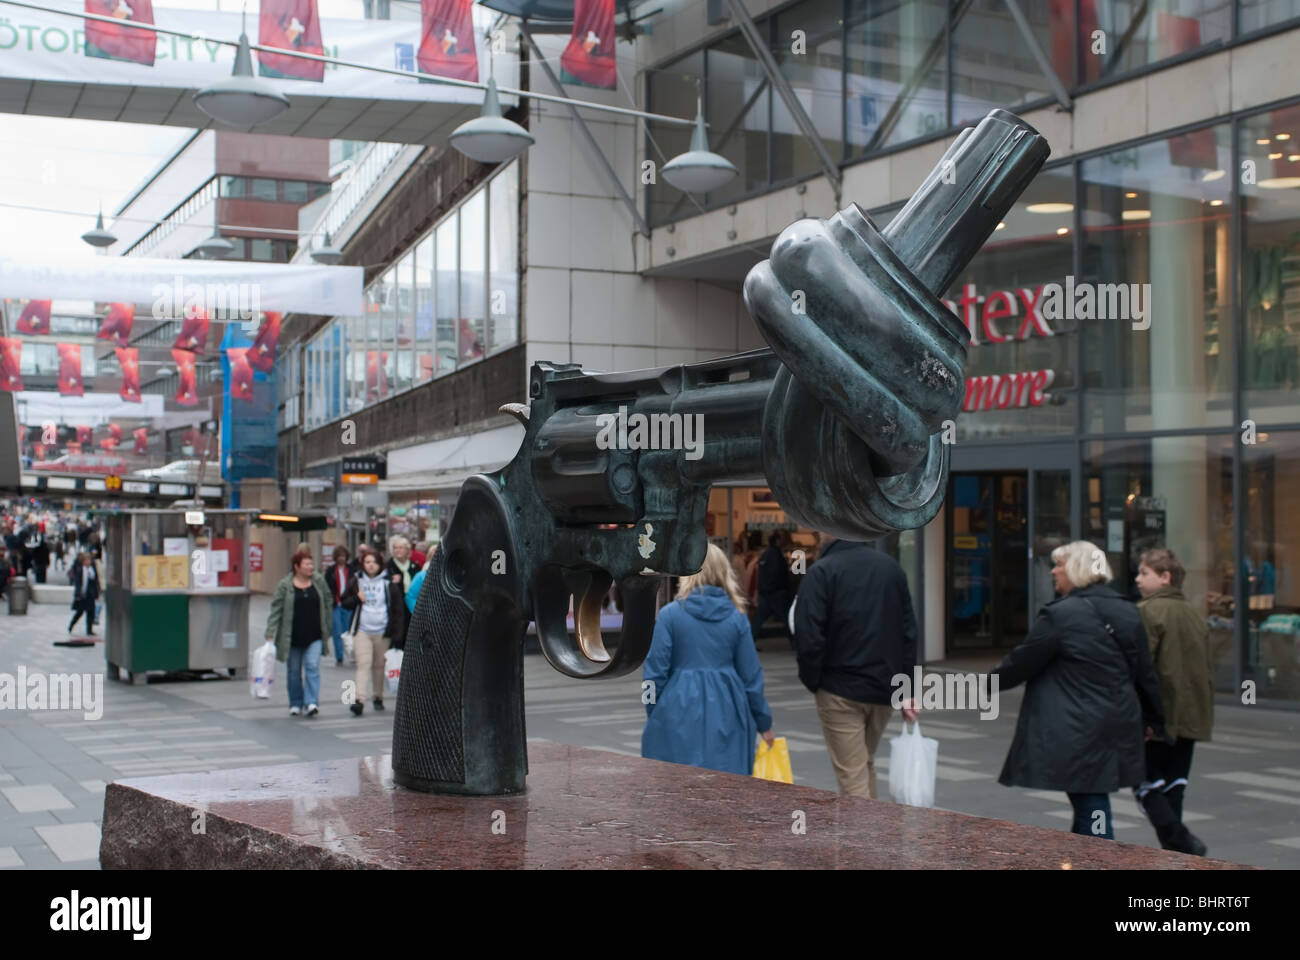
[(707, 701)]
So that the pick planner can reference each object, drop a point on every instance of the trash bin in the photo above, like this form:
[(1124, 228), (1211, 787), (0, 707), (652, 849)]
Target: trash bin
[(20, 592)]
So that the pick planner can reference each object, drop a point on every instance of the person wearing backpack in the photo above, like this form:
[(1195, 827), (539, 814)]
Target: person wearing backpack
[(1091, 692), (1180, 650)]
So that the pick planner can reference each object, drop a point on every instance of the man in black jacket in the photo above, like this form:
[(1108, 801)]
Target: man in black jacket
[(854, 630)]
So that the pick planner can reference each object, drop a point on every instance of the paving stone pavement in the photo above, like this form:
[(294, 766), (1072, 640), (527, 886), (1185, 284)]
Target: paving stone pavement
[(1244, 799)]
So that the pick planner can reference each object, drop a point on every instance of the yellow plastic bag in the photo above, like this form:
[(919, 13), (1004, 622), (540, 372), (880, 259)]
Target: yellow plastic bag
[(773, 763)]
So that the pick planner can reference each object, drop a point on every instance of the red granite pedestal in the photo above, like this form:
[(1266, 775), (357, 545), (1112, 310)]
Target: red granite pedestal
[(583, 809)]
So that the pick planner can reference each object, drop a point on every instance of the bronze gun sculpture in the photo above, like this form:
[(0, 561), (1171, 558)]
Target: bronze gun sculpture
[(842, 418)]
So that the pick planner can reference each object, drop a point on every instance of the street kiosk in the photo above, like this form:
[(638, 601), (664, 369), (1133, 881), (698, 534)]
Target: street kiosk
[(177, 596)]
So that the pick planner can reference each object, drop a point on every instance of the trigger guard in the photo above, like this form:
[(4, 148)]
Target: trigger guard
[(551, 606)]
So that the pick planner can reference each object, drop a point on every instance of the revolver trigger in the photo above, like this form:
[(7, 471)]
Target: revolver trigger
[(586, 617)]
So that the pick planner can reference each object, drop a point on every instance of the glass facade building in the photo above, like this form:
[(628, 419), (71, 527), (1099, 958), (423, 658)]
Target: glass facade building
[(449, 300), (875, 75), (1165, 412)]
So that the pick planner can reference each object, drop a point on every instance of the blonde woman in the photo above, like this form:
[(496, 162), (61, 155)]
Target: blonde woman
[(707, 703), (1091, 692)]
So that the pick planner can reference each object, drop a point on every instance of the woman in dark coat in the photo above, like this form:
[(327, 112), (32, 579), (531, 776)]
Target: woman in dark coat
[(1091, 692), (84, 578)]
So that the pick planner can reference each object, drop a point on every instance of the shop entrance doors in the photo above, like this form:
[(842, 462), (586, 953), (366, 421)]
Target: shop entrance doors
[(1002, 525)]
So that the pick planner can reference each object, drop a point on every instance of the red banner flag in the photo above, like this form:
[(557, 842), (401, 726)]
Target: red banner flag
[(141, 435), (447, 39), (117, 323), (241, 374), (70, 384), (115, 431), (35, 317), (290, 25), (589, 57), (108, 443), (262, 354), (187, 393), (376, 377), (11, 364), (194, 332), (113, 42), (128, 358), (84, 435)]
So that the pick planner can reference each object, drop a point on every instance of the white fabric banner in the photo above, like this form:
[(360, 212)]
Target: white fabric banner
[(48, 46), (169, 287)]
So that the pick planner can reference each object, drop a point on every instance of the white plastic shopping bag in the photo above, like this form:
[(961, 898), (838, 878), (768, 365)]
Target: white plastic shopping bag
[(349, 647), (393, 669), (913, 764), (261, 670)]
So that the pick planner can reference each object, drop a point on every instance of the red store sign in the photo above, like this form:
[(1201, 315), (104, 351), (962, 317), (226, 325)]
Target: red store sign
[(998, 306)]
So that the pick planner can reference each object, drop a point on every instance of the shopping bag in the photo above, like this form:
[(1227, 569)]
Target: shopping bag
[(349, 645), (913, 764), (773, 763), (393, 669), (261, 670)]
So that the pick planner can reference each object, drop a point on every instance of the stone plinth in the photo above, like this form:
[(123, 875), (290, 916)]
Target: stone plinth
[(583, 809)]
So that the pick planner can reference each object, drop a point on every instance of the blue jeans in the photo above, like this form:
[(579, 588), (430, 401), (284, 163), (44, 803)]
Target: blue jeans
[(300, 657), (1087, 807), (342, 618)]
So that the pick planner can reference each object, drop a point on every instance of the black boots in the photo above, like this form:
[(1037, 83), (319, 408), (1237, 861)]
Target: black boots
[(1177, 837)]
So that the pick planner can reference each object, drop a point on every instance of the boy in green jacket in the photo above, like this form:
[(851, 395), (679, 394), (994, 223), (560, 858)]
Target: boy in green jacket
[(1180, 650)]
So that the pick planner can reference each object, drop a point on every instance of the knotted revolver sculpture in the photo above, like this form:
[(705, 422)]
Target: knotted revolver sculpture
[(842, 418)]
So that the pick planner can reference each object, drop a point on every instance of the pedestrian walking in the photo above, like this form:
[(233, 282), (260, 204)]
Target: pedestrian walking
[(337, 576), (84, 578), (379, 619), (400, 564), (40, 557), (773, 587), (1091, 692), (299, 626), (1180, 651), (707, 706), (854, 631)]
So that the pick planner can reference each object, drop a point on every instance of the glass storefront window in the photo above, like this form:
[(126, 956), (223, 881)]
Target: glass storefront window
[(814, 70), (1173, 492), (1272, 543), (1157, 229), (1270, 264), (1138, 32), (736, 103), (896, 82), (991, 65), (1020, 365), (447, 294), (356, 363), (424, 310), (673, 91), (503, 259), (472, 334)]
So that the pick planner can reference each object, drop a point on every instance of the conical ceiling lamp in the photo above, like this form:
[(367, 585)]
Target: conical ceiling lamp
[(327, 254), (99, 237), (216, 247), (491, 138), (699, 170), (243, 100)]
